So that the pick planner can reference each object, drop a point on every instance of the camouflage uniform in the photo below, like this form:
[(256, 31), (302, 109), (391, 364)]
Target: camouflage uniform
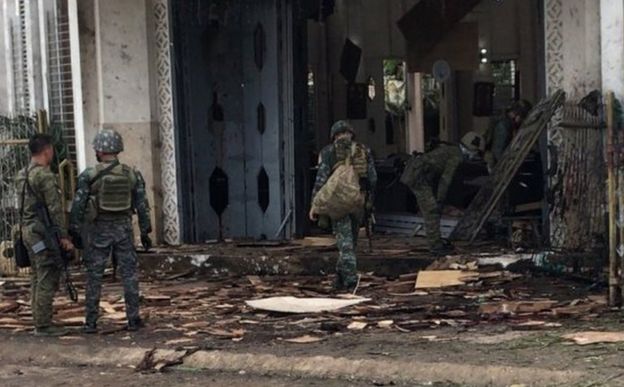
[(500, 137), (111, 231), (421, 175), (346, 229), (45, 270)]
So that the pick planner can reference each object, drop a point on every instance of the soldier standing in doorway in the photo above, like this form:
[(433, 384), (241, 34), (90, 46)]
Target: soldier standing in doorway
[(113, 191), (346, 229), (439, 165), (39, 187)]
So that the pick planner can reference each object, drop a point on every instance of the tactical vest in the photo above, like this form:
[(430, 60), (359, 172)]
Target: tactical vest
[(113, 191), (357, 152)]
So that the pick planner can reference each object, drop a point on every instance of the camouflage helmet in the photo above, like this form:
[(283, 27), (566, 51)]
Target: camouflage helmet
[(108, 141), (340, 127), (473, 141)]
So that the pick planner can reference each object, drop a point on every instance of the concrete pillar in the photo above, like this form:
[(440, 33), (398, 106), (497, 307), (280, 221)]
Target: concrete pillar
[(89, 78), (612, 46), (573, 46), (119, 94), (4, 54)]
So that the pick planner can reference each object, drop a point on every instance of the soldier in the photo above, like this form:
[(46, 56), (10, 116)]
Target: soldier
[(37, 183), (112, 191), (439, 165), (346, 229), (499, 137)]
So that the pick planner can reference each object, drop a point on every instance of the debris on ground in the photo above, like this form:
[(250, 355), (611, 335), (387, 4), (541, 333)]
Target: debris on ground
[(305, 339), (444, 278), (303, 305), (586, 338), (157, 360), (184, 310)]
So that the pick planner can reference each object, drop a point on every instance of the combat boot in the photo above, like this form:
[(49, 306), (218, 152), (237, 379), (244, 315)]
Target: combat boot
[(90, 328), (50, 331), (135, 325)]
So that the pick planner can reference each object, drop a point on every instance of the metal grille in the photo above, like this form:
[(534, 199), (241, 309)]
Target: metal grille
[(13, 157), (577, 189), (60, 75)]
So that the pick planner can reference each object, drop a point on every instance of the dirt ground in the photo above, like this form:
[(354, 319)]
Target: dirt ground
[(34, 376)]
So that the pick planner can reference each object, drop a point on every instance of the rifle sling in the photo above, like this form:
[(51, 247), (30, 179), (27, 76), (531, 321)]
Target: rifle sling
[(103, 172)]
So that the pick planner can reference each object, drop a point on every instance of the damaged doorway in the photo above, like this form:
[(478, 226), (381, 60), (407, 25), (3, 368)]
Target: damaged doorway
[(235, 90)]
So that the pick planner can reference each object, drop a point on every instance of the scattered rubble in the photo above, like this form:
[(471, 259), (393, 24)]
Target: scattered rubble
[(457, 292)]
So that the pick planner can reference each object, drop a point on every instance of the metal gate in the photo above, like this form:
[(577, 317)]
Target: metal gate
[(14, 155), (577, 172)]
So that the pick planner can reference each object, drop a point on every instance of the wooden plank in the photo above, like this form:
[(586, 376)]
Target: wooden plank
[(443, 278)]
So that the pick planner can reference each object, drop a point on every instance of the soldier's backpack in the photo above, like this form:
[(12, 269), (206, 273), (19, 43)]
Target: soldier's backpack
[(341, 195)]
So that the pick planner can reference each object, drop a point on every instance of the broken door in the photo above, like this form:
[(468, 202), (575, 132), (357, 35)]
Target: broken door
[(235, 138)]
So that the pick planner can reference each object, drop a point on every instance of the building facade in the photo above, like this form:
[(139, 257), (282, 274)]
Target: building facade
[(224, 104)]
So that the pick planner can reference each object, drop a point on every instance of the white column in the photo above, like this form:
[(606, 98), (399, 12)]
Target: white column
[(79, 123), (612, 46), (415, 124), (5, 62), (572, 32)]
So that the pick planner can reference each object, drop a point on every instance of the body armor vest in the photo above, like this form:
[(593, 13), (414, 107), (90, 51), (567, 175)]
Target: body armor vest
[(357, 152), (113, 191)]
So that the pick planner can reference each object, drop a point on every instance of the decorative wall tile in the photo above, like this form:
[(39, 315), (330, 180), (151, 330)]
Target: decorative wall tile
[(554, 44), (171, 214)]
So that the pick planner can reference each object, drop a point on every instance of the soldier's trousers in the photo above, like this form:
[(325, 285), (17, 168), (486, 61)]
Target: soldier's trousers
[(346, 231), (430, 210), (44, 282), (111, 237)]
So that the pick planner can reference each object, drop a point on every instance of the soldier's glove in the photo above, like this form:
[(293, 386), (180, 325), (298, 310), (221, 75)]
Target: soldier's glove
[(76, 239), (146, 242)]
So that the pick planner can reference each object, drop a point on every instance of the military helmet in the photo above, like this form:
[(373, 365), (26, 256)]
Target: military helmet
[(473, 141), (108, 141), (341, 127)]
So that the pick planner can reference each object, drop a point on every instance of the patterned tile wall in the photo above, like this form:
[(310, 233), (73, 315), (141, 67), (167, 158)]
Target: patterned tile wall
[(171, 215), (554, 44)]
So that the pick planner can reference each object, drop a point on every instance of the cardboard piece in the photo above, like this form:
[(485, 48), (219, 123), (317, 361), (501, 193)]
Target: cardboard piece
[(443, 278), (303, 305), (586, 338)]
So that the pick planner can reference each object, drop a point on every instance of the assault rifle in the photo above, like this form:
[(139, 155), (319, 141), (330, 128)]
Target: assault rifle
[(53, 242), (369, 216)]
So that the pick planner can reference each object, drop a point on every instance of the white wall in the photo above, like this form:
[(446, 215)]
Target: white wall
[(4, 81), (612, 46)]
